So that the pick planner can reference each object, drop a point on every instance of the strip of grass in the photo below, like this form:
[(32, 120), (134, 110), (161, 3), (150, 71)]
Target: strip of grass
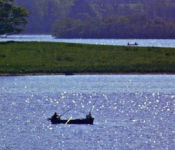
[(50, 57)]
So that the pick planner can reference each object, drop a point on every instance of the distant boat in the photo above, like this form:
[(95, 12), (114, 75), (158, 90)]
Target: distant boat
[(132, 44), (56, 119)]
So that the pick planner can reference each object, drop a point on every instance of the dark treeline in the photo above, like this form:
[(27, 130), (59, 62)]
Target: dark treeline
[(101, 18)]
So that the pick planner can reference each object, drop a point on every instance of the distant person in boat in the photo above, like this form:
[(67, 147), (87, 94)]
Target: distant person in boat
[(133, 43), (88, 116), (56, 116)]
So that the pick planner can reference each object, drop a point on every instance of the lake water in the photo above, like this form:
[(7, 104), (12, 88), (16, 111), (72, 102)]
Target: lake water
[(132, 112), (49, 38)]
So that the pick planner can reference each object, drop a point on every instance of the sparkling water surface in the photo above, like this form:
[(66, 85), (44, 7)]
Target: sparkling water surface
[(132, 112), (123, 42)]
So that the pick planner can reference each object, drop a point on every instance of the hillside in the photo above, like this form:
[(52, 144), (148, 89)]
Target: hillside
[(101, 18)]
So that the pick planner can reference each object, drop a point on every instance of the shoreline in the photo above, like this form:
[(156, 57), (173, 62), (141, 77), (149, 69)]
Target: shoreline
[(73, 74)]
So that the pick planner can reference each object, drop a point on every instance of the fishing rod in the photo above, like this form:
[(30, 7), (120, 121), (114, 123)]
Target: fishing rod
[(62, 113), (66, 111), (96, 99)]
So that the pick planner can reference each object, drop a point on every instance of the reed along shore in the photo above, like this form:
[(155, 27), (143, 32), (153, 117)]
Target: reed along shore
[(23, 58)]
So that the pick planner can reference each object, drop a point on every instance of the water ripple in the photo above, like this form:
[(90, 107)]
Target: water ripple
[(142, 118)]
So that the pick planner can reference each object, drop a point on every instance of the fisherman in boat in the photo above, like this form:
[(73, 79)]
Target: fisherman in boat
[(56, 116), (132, 44), (88, 116)]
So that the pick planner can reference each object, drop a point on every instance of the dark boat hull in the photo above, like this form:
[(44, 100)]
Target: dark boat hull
[(73, 121), (135, 44)]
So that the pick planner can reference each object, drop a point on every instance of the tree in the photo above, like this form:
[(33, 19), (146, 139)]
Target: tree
[(81, 10), (12, 18), (47, 12)]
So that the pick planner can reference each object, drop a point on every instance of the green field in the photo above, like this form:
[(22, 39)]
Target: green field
[(50, 57)]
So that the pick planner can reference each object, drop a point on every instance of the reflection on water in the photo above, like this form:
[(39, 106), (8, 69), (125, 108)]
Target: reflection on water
[(131, 112), (49, 38)]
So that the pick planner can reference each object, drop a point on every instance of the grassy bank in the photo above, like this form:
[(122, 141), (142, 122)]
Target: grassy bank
[(46, 57)]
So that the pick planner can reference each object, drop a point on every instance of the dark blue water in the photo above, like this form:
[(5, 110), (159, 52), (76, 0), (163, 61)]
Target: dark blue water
[(132, 112)]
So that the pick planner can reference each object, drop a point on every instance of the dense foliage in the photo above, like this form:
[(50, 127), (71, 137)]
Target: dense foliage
[(102, 18), (115, 27), (12, 18)]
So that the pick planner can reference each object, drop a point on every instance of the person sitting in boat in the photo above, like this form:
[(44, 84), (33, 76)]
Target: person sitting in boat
[(56, 116), (88, 116)]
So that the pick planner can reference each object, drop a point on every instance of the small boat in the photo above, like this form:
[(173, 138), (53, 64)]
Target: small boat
[(56, 119), (132, 44)]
